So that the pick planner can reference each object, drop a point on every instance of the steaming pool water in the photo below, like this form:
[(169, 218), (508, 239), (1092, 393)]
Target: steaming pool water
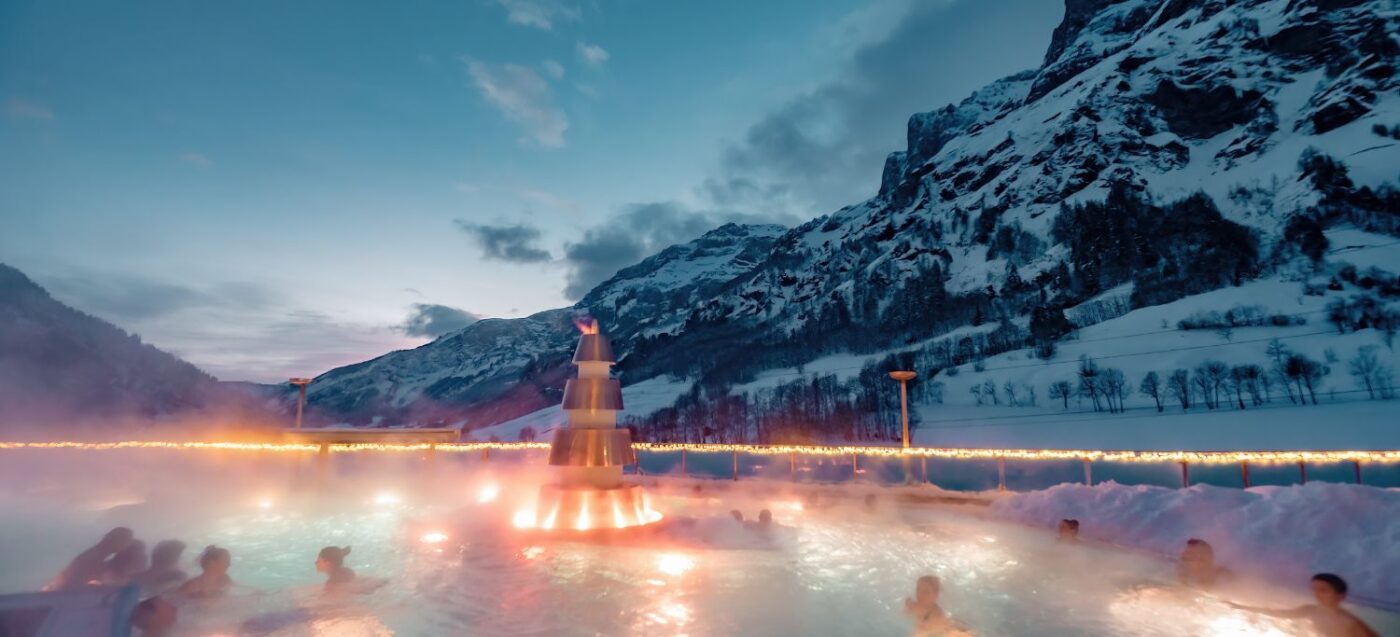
[(439, 532)]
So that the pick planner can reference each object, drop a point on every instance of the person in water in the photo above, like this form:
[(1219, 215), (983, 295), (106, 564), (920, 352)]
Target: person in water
[(90, 565), (154, 617), (1327, 616), (1197, 567), (331, 561), (1068, 531), (213, 579), (929, 618), (125, 564), (738, 517), (165, 573)]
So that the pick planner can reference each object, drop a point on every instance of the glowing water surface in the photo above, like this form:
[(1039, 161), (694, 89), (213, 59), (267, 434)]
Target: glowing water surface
[(440, 532)]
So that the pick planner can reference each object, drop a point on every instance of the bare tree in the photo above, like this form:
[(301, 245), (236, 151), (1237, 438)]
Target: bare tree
[(1089, 381), (1179, 387), (1306, 373), (977, 393), (1010, 390), (1152, 386), (1278, 353), (1061, 389), (1366, 368), (1200, 383), (989, 389)]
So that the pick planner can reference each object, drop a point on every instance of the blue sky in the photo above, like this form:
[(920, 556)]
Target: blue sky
[(274, 188)]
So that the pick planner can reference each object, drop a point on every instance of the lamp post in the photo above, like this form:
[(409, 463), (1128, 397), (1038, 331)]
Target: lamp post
[(301, 384), (904, 377)]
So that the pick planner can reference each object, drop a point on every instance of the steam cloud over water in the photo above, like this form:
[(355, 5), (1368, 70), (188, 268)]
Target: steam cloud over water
[(437, 527)]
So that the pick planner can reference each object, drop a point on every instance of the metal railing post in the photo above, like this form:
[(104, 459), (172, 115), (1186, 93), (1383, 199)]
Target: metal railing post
[(1185, 475), (1244, 472), (1001, 473), (1302, 472)]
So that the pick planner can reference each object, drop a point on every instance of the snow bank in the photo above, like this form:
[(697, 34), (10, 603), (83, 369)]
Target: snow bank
[(1281, 533)]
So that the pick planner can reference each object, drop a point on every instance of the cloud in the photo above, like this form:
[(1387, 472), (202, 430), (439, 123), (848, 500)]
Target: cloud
[(430, 320), (540, 14), (549, 200), (553, 69), (513, 243), (234, 330), (639, 231), (825, 148), (20, 108), (122, 297), (592, 54), (196, 159), (272, 346), (524, 98)]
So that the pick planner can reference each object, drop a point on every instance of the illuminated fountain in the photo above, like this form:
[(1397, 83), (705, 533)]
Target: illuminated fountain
[(590, 452)]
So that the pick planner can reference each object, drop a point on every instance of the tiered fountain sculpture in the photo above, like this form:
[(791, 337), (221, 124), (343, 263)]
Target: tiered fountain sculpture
[(590, 452)]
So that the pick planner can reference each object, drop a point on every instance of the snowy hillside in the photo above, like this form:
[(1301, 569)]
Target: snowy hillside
[(59, 366), (1180, 182), (498, 369)]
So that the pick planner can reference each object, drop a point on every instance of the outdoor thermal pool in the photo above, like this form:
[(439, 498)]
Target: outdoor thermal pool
[(440, 533)]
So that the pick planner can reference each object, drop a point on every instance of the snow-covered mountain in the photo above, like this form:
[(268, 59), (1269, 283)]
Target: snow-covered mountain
[(1164, 149), (497, 369), (60, 366)]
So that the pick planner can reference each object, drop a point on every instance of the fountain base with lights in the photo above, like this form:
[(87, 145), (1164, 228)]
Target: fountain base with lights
[(590, 452)]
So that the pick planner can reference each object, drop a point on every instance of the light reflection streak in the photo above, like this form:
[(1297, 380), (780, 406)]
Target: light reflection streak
[(1103, 455)]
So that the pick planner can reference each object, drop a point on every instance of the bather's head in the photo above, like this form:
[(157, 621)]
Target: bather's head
[(331, 558), (1068, 530), (154, 617), (128, 561), (736, 515), (927, 588), (765, 517), (1198, 552), (167, 553), (1330, 590), (116, 539), (215, 559)]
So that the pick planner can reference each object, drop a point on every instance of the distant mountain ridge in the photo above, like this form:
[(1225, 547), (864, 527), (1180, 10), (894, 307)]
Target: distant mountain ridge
[(59, 365), (498, 369), (1164, 148)]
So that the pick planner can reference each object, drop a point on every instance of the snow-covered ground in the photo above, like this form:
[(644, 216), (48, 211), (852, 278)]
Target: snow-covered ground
[(1282, 533)]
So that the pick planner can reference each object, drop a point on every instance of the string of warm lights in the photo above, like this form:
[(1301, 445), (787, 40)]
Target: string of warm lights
[(1094, 455)]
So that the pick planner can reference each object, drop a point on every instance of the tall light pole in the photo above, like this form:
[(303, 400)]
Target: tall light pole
[(301, 384), (904, 377)]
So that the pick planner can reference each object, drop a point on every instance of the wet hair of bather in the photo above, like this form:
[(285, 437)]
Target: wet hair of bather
[(765, 518), (213, 581), (331, 561), (1331, 587), (1068, 530)]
